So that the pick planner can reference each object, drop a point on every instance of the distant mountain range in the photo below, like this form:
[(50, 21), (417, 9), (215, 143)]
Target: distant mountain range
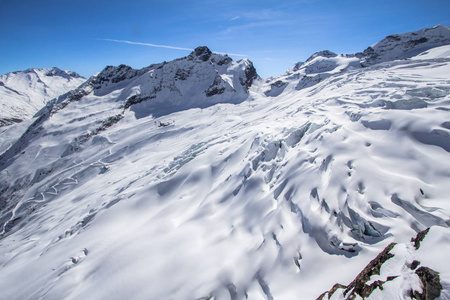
[(23, 93), (197, 179)]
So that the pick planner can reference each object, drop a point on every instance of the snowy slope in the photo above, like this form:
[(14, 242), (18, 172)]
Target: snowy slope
[(317, 67), (398, 46), (324, 64), (23, 93), (183, 180)]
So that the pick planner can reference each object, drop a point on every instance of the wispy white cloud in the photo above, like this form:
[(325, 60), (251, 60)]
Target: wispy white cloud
[(147, 44), (164, 46), (256, 21)]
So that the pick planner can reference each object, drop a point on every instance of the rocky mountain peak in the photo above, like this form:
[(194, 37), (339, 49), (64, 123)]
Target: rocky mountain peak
[(201, 79), (55, 71), (202, 53), (323, 53), (114, 74)]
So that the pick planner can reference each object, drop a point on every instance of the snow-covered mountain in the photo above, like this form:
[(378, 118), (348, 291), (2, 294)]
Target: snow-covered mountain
[(198, 80), (196, 179), (324, 64), (317, 67), (406, 45), (23, 93)]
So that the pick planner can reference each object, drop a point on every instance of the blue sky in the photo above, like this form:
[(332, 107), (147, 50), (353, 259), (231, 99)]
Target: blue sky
[(77, 34)]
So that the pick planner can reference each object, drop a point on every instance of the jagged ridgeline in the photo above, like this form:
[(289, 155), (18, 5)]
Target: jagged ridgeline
[(196, 179), (199, 80)]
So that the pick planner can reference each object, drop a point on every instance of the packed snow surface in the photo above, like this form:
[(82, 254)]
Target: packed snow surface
[(22, 94), (115, 193)]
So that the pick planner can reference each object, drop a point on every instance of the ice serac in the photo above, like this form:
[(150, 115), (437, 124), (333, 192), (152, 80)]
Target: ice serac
[(406, 45), (199, 80), (23, 93)]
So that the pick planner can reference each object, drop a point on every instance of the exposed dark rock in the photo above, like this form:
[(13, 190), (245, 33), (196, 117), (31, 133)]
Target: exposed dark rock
[(203, 53), (417, 42), (135, 99), (224, 61), (9, 121), (276, 88), (419, 238), (214, 91), (216, 88), (58, 72), (431, 284), (112, 74), (182, 74), (414, 264), (394, 37), (279, 84), (10, 224), (323, 53), (76, 144), (10, 89), (331, 292), (359, 286), (74, 95), (250, 76)]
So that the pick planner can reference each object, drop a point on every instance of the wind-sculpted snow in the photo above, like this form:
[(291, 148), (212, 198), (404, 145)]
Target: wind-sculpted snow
[(259, 198)]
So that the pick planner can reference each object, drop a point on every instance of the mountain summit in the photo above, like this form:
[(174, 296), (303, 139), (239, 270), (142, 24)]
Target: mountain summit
[(199, 80)]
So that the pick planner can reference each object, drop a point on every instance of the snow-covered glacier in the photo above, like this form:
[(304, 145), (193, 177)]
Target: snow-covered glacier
[(196, 179)]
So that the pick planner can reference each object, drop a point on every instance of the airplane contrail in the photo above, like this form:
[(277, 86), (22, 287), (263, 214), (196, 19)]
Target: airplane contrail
[(163, 46)]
